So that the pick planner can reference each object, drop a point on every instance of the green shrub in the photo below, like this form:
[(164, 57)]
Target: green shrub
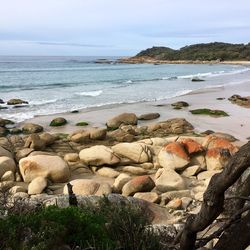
[(52, 227)]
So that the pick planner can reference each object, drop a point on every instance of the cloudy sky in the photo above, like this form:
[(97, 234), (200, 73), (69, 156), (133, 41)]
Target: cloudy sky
[(117, 27)]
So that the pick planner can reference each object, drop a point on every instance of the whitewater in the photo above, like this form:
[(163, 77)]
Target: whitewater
[(60, 84)]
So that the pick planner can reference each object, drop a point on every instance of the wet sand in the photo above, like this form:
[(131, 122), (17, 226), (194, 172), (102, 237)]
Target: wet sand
[(237, 124)]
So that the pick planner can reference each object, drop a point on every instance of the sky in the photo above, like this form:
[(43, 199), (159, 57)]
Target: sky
[(117, 27)]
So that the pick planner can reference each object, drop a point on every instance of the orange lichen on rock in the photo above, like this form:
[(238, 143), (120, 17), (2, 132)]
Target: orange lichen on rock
[(222, 144), (192, 146), (176, 148)]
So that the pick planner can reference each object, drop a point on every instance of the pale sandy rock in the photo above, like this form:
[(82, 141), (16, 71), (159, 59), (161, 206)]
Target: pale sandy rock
[(186, 201), (98, 133), (149, 116), (191, 171), (136, 152), (23, 153), (98, 155), (18, 177), (148, 196), (4, 152), (138, 184), (48, 138), (173, 156), (7, 164), (133, 170), (30, 128), (8, 176), (17, 189), (52, 167), (108, 172), (34, 153), (120, 181), (124, 118), (71, 157), (207, 174), (176, 194), (88, 187), (217, 158), (168, 180), (35, 142), (37, 185), (147, 165), (80, 137)]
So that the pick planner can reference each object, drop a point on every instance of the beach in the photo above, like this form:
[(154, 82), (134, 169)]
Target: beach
[(236, 124)]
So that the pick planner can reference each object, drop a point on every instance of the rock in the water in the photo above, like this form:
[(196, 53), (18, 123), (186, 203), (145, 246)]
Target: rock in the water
[(197, 79), (124, 118), (136, 152), (148, 196), (98, 155), (120, 181), (30, 128), (7, 164), (168, 180), (37, 185), (149, 116), (173, 156), (138, 184), (52, 167), (2, 101), (16, 102), (59, 121), (98, 133), (88, 187)]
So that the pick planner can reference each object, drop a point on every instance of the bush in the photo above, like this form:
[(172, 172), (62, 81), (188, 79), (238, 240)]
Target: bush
[(52, 227)]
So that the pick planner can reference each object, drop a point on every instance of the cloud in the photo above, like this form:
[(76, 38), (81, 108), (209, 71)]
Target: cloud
[(73, 44)]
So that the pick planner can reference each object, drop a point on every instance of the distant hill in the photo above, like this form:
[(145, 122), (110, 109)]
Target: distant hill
[(200, 52)]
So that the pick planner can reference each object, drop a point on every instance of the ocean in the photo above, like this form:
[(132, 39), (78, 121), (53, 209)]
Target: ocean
[(61, 84)]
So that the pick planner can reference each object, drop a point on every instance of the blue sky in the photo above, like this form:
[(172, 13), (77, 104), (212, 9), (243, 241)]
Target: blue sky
[(117, 27)]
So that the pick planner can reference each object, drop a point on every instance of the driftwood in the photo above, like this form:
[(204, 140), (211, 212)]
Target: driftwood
[(213, 202)]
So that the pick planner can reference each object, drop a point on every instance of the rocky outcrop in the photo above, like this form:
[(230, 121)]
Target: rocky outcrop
[(125, 118), (52, 167), (173, 156)]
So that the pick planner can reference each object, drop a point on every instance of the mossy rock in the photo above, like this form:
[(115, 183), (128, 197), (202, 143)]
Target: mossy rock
[(59, 121), (215, 113), (82, 124)]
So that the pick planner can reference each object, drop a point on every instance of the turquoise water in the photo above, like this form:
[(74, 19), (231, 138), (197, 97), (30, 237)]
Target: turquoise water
[(60, 84)]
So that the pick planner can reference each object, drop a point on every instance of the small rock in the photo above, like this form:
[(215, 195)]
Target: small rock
[(59, 121), (8, 176), (7, 164), (125, 118), (82, 137), (30, 128), (148, 196), (191, 171), (207, 174), (120, 181), (180, 105), (133, 170), (98, 133), (35, 142), (138, 184), (17, 189), (174, 204), (71, 157), (37, 185), (149, 116), (108, 172)]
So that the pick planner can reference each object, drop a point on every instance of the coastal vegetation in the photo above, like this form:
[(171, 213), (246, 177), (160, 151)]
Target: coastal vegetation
[(202, 52)]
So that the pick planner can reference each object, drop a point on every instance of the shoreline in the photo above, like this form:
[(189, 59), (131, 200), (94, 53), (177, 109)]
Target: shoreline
[(236, 124)]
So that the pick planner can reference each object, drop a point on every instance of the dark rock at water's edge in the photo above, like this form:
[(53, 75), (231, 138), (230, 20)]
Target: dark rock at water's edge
[(197, 79), (180, 105), (2, 101), (149, 116), (59, 121), (16, 102)]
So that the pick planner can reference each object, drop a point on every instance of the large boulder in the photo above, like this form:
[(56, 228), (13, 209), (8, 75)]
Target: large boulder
[(124, 118), (217, 158), (138, 184), (136, 152), (7, 164), (52, 167), (168, 180), (173, 156), (88, 187), (31, 128), (98, 155)]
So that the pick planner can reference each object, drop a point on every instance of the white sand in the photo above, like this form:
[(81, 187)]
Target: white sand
[(237, 124)]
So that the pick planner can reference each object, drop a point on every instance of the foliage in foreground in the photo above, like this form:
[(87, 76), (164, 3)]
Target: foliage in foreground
[(103, 226)]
